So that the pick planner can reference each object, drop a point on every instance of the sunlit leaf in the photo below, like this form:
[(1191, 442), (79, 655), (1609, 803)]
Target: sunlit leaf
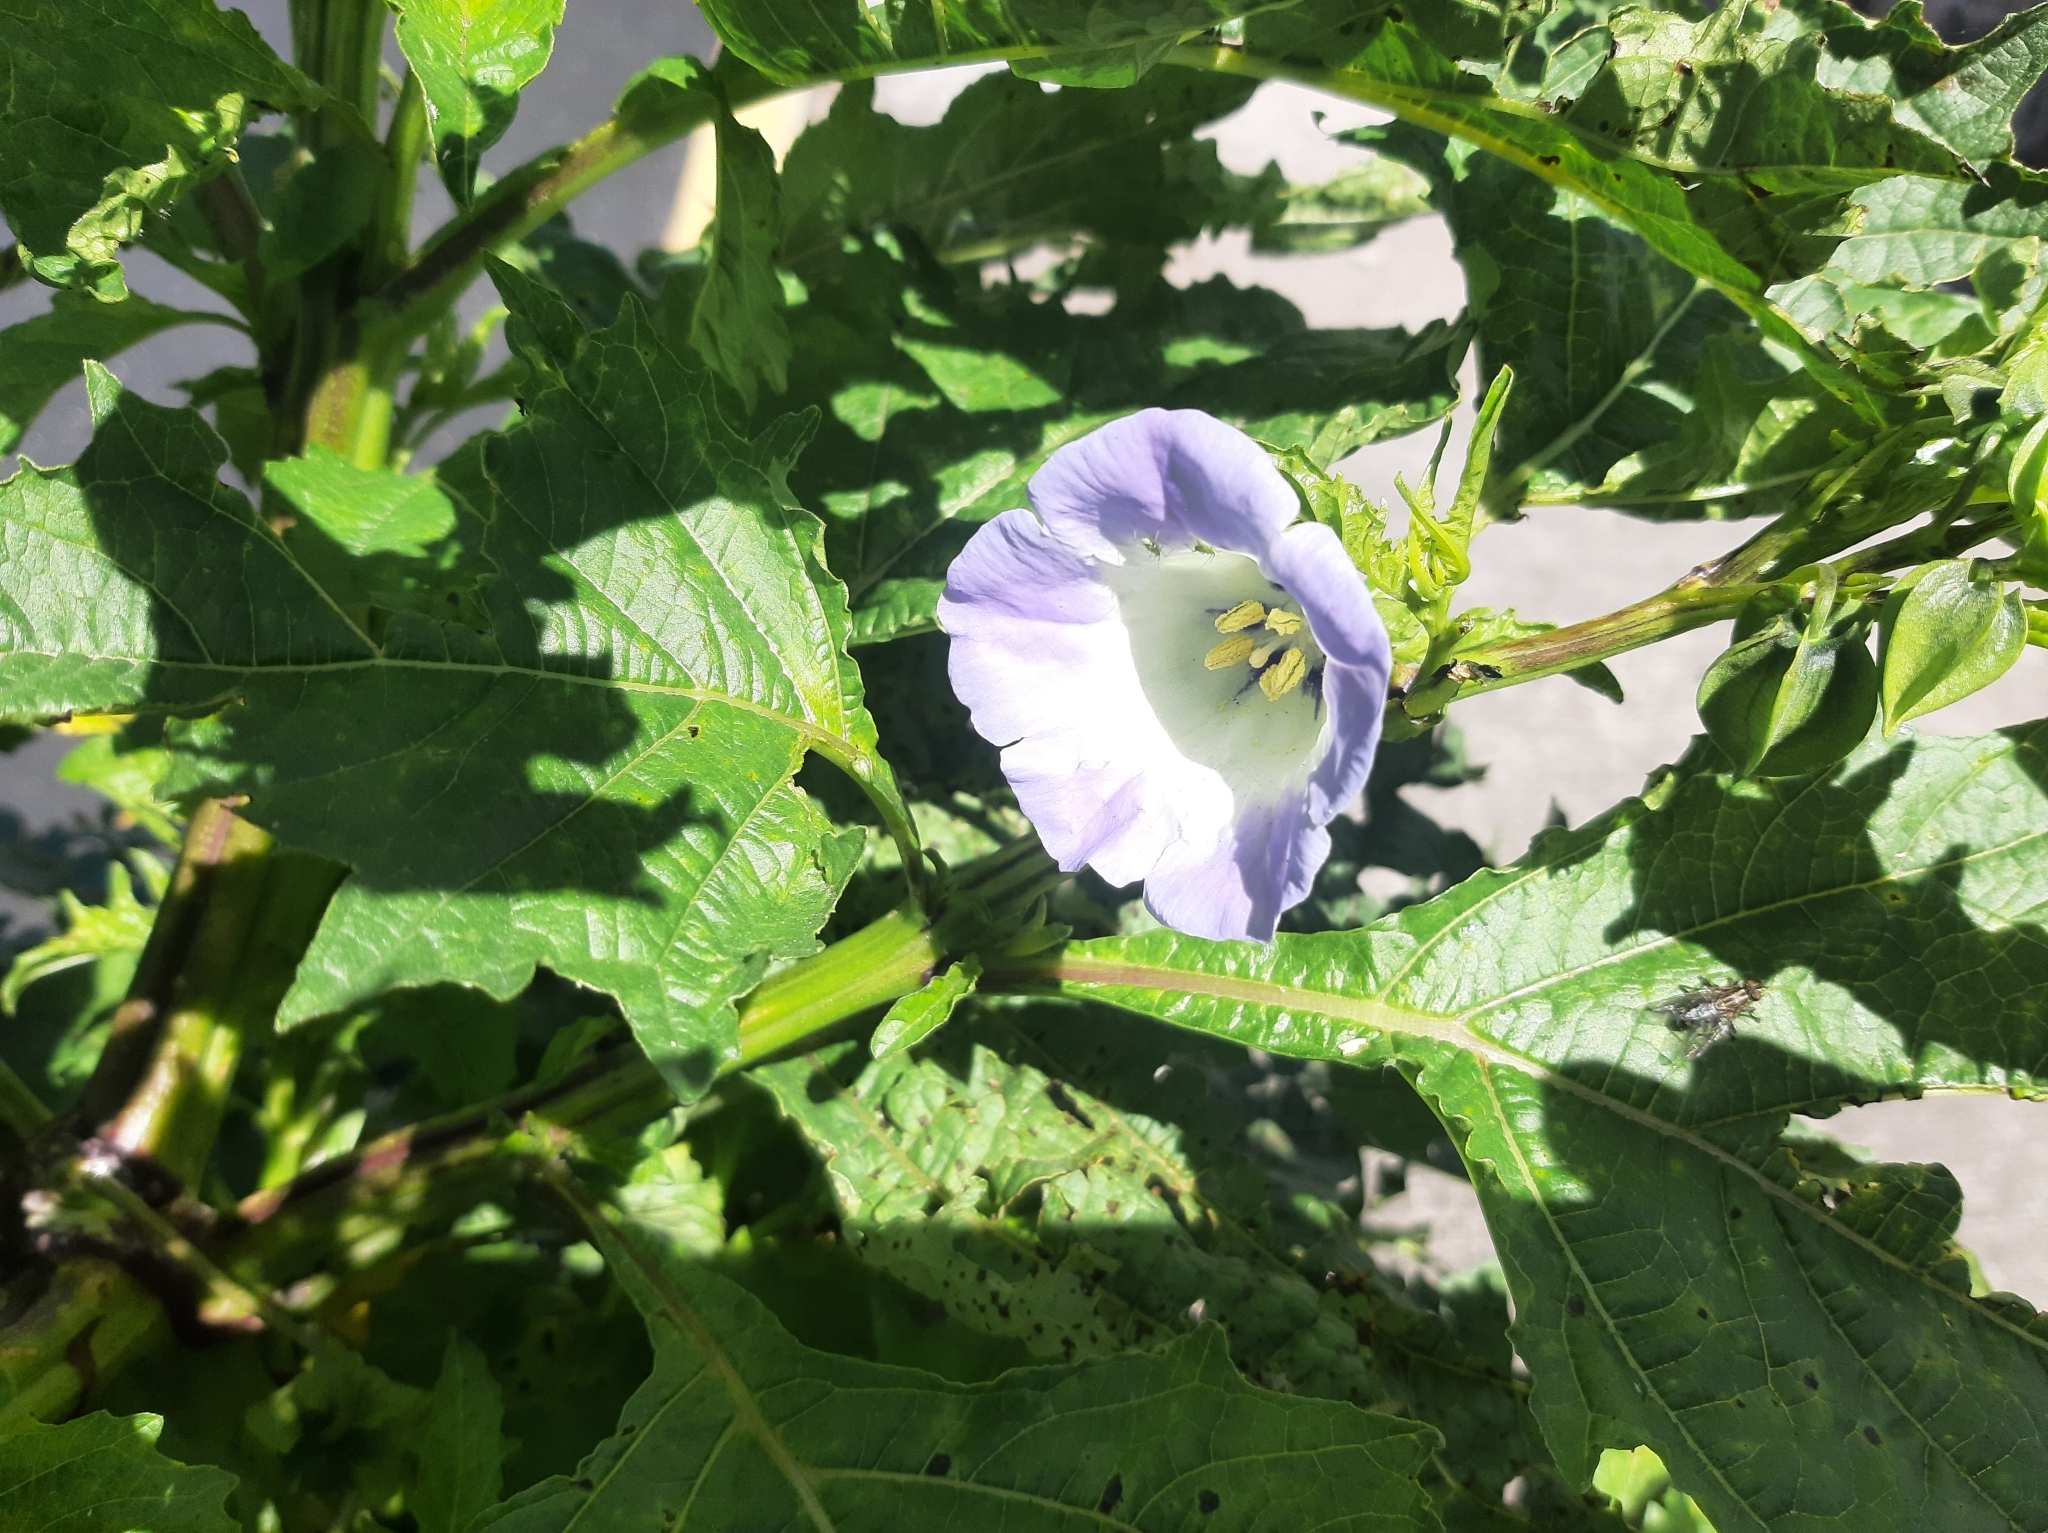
[(1683, 1276)]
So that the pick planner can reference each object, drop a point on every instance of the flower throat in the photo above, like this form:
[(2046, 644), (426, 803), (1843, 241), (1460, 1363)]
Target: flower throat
[(1277, 666)]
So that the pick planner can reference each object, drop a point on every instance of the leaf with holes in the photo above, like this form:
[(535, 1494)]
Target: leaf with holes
[(1681, 1279), (742, 1423), (1040, 1174)]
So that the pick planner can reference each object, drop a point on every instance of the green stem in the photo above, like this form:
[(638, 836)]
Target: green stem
[(237, 227), (92, 1319), (234, 925), (877, 964), (519, 204), (21, 1110), (1662, 616), (353, 405), (342, 1226), (222, 1301), (343, 357), (405, 146), (338, 43)]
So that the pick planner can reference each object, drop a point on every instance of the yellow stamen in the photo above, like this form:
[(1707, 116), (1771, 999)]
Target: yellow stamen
[(1244, 615), (1283, 623), (1232, 651), (1284, 675)]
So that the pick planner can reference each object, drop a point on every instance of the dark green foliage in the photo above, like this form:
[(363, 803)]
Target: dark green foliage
[(1579, 1112), (623, 1137), (182, 79)]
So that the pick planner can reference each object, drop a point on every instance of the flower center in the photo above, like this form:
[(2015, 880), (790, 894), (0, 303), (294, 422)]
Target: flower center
[(1277, 666), (1228, 663)]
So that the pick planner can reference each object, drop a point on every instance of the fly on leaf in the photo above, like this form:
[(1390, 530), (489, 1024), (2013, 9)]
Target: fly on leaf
[(1709, 1014)]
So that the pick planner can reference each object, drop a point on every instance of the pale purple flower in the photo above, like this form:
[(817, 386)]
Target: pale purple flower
[(1186, 682)]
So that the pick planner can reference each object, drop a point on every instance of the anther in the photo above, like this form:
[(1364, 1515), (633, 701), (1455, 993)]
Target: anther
[(1245, 614), (1283, 623), (1283, 675), (1231, 651)]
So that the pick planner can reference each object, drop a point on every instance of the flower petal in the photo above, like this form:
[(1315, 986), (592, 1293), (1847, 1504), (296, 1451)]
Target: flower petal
[(1175, 476), (1265, 865), (1085, 660), (1041, 658), (1309, 562)]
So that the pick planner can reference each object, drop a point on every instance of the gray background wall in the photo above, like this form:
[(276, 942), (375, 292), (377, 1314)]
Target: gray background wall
[(1549, 744)]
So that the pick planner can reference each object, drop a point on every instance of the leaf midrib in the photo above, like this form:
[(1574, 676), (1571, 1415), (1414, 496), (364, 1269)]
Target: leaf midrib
[(1083, 971)]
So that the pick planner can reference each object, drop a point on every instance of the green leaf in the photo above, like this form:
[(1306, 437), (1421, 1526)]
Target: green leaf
[(461, 1449), (1681, 1277), (1640, 1488), (1915, 231), (335, 1393), (40, 355), (101, 1472), (1747, 99), (365, 510), (1760, 427), (600, 782), (918, 1015), (1962, 97), (473, 58), (737, 326), (463, 1042), (791, 41), (1603, 334), (126, 772), (1343, 212), (110, 110), (322, 208), (668, 1197), (1012, 166), (740, 1421), (1948, 630), (91, 932), (1050, 1175)]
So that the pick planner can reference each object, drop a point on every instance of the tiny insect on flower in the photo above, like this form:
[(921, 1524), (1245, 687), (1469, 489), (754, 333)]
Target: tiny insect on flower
[(1186, 681)]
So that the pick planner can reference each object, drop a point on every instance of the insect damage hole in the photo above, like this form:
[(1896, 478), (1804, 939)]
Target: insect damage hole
[(940, 1466), (1112, 1495)]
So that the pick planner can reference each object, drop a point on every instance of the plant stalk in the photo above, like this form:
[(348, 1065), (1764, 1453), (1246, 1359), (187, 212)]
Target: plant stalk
[(879, 963), (226, 942)]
